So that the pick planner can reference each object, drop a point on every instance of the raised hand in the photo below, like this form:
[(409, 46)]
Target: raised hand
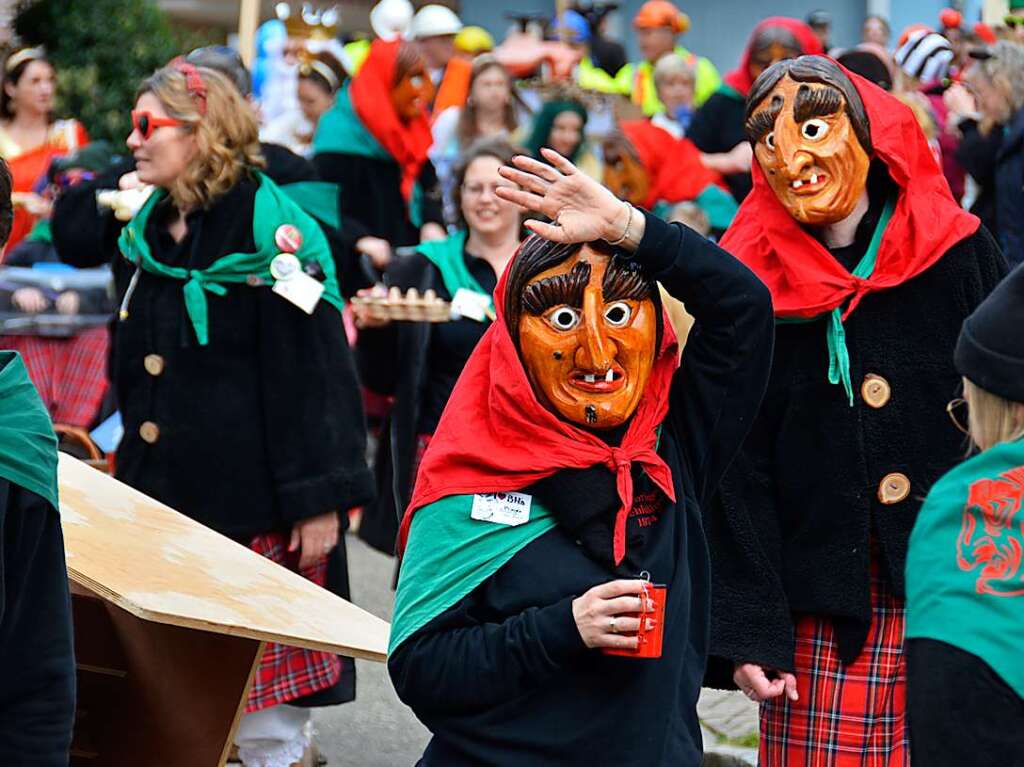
[(582, 210)]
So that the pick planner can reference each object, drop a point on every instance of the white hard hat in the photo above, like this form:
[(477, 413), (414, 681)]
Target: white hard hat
[(391, 18), (433, 20)]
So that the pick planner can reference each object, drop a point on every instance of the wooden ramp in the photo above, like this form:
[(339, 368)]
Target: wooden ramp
[(170, 621)]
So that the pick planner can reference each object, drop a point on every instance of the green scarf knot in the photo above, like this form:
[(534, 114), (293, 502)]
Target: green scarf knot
[(272, 208)]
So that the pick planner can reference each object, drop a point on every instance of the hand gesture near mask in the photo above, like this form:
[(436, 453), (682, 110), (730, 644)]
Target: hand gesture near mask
[(580, 208)]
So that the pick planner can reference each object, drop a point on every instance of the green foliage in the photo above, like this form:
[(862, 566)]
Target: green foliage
[(102, 50)]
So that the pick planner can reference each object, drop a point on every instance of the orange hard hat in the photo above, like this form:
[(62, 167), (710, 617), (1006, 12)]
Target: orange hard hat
[(950, 18), (655, 14), (906, 33)]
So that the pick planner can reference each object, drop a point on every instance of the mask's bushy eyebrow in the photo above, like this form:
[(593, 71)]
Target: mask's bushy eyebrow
[(816, 102), (623, 281), (760, 123), (557, 290)]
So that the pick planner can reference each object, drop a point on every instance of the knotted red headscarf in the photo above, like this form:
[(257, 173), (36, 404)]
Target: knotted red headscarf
[(740, 78), (494, 436), (406, 142), (673, 165), (804, 278)]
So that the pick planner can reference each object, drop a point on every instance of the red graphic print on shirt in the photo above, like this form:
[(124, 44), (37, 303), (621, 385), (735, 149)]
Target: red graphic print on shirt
[(992, 534)]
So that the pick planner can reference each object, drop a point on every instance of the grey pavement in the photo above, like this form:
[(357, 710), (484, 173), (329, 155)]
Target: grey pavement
[(378, 730)]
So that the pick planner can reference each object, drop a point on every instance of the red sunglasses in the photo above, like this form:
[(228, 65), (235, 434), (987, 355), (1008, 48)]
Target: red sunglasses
[(145, 123)]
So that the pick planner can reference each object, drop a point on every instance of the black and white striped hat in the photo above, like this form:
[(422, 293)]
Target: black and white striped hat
[(926, 56)]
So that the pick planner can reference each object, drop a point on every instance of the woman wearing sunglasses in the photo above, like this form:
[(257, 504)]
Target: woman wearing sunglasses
[(965, 573), (237, 389)]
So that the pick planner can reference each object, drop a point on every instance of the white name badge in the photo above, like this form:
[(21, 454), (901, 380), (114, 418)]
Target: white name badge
[(502, 508), (301, 290), (470, 304)]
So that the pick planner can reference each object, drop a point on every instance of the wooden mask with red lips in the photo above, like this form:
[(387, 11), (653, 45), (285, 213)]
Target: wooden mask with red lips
[(587, 325), (811, 138)]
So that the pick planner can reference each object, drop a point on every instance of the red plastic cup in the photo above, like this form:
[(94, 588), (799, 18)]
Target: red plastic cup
[(648, 639)]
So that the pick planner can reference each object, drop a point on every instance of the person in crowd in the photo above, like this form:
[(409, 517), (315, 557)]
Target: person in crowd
[(820, 23), (964, 590), (717, 128), (85, 234), (871, 61), (923, 66), (872, 267), (30, 136), (213, 366), (321, 75), (647, 166), (434, 28), (981, 136), (376, 147), (876, 30), (997, 83), (658, 25), (675, 80), (574, 455), (605, 53), (491, 110), (419, 363), (573, 29), (1014, 20), (560, 125), (37, 658)]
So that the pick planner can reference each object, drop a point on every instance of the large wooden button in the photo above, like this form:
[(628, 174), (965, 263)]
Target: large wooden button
[(149, 432), (875, 390), (893, 488), (154, 364)]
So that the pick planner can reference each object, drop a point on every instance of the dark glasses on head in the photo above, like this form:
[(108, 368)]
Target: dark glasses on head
[(145, 123)]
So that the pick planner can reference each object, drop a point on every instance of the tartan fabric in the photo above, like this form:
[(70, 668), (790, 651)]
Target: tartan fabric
[(847, 716), (287, 673), (70, 373)]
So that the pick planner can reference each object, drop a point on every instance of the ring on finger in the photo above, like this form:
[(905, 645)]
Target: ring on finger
[(611, 626)]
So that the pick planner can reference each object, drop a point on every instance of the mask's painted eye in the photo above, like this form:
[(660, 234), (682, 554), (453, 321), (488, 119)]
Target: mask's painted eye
[(814, 130), (564, 318), (769, 140), (618, 314), (416, 81)]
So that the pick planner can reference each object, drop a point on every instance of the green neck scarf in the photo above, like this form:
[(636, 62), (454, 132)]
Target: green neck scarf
[(273, 208), (835, 333), (447, 256), (449, 554), (340, 130), (28, 446), (965, 582)]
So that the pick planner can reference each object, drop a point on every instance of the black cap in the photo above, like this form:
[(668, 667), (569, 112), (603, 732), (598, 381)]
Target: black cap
[(819, 19), (990, 350)]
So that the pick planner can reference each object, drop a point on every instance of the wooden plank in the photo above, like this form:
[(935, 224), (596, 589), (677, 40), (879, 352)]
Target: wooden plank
[(248, 22), (161, 566)]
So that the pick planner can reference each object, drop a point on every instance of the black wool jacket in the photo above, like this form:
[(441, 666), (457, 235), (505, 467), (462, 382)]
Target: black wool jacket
[(800, 510), (86, 235), (503, 677), (371, 193), (396, 360), (718, 127), (37, 658)]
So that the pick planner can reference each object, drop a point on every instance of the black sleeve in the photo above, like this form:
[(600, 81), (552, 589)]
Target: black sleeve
[(84, 234), (977, 153), (724, 370), (37, 664), (313, 413), (432, 209), (459, 662)]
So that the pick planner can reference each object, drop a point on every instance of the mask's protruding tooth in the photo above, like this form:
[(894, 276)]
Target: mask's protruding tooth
[(609, 376), (590, 378)]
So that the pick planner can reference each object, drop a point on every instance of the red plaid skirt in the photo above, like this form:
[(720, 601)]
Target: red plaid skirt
[(847, 716), (287, 673), (69, 373)]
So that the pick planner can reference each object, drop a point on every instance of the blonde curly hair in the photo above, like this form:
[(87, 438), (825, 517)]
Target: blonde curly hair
[(226, 133)]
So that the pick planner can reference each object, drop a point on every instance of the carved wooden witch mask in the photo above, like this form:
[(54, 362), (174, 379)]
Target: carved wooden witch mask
[(811, 138)]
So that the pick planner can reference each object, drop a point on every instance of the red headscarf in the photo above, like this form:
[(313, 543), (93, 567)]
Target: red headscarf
[(674, 165), (371, 89), (804, 278), (740, 78), (494, 436)]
